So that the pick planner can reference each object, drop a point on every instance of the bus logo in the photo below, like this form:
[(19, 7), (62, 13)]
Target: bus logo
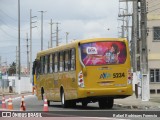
[(91, 50), (105, 75)]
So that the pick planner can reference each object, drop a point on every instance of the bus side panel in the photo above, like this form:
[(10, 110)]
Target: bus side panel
[(40, 84), (71, 85), (56, 89)]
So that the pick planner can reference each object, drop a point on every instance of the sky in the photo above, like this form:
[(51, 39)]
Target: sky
[(83, 19)]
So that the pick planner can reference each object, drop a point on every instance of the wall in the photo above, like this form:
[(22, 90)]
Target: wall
[(25, 85)]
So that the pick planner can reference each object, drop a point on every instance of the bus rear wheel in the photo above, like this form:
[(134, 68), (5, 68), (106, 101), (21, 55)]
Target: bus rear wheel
[(106, 103)]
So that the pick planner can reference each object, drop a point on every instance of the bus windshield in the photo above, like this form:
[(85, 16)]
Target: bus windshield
[(103, 53)]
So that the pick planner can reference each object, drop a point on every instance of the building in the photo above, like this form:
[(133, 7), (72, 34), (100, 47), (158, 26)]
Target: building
[(153, 41)]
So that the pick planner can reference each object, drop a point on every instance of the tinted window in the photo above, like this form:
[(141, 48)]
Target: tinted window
[(102, 53), (73, 59), (61, 62), (56, 62), (66, 60)]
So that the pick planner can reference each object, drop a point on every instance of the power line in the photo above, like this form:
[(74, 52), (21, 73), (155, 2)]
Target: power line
[(153, 10), (153, 5), (8, 15), (8, 25), (13, 19), (152, 1), (9, 34), (11, 27)]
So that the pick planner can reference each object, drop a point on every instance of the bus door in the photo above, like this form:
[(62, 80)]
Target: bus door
[(36, 73)]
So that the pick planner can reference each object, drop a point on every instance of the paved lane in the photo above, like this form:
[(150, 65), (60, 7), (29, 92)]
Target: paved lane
[(91, 112)]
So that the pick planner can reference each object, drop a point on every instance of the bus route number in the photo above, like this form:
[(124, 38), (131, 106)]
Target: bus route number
[(118, 75)]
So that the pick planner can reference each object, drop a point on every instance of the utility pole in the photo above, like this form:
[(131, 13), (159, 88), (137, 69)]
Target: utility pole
[(0, 63), (123, 26), (57, 33), (67, 33), (16, 60), (127, 21), (51, 41), (19, 47), (19, 60), (27, 53), (42, 28), (126, 15), (31, 42), (144, 53), (0, 69), (135, 34), (127, 26)]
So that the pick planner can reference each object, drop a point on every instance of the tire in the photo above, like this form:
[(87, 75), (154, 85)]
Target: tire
[(102, 104), (106, 103), (64, 102), (110, 103), (42, 93), (49, 103)]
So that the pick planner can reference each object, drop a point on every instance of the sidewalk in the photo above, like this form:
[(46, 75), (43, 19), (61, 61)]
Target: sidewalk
[(13, 95), (136, 103)]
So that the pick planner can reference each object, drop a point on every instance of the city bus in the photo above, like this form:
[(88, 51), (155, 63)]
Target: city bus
[(85, 71)]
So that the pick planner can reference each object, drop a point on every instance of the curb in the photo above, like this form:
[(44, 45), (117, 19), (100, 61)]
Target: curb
[(140, 107), (8, 94), (123, 106), (15, 93), (14, 97)]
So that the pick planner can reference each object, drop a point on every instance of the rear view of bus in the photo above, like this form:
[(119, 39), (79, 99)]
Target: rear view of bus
[(106, 72)]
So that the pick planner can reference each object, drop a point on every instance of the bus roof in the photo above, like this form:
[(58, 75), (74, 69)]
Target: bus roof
[(75, 42)]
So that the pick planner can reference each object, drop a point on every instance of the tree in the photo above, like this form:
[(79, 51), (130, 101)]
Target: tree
[(12, 69)]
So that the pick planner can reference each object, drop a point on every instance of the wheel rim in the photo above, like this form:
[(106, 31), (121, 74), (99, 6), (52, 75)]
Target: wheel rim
[(63, 98)]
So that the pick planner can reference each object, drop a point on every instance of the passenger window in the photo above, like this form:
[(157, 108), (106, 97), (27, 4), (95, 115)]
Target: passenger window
[(48, 63), (53, 56), (56, 62), (73, 60), (42, 60), (66, 61), (61, 62), (46, 60)]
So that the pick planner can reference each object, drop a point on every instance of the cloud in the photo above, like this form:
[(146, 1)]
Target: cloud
[(81, 18)]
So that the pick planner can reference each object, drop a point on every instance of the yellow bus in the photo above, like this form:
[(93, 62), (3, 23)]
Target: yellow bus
[(92, 70)]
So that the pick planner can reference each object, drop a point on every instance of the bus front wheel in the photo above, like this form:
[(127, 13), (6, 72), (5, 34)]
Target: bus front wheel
[(49, 102), (63, 101), (106, 103)]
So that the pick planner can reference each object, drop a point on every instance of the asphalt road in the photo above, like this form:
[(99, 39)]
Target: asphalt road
[(33, 104), (92, 111)]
